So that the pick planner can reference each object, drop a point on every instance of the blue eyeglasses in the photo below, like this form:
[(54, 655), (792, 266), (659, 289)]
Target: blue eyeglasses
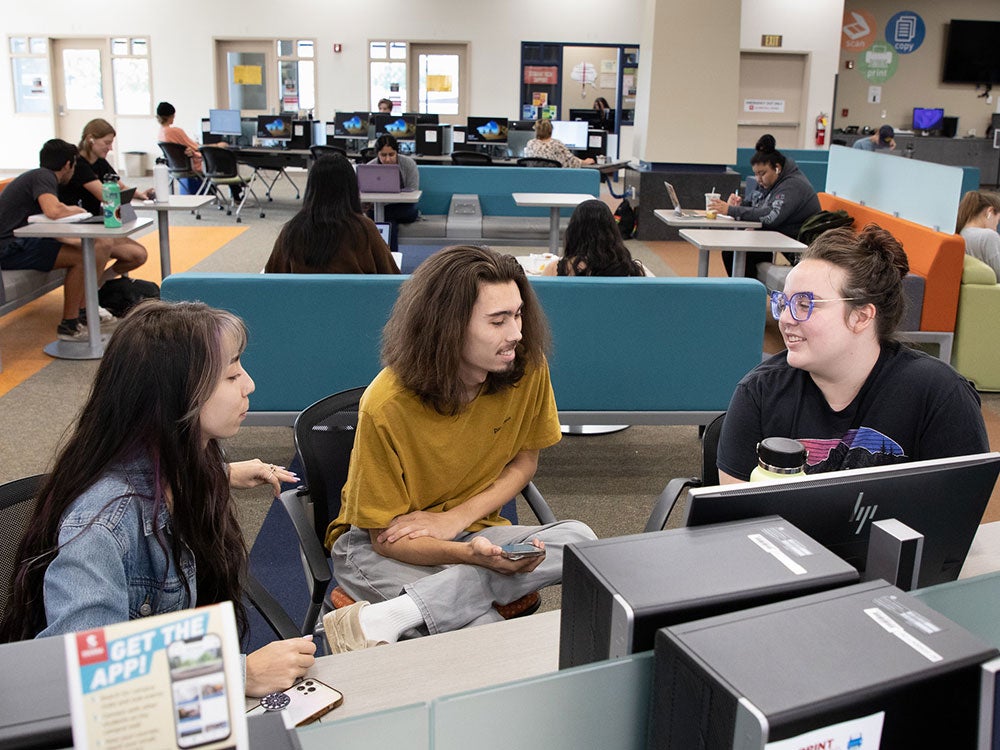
[(800, 304)]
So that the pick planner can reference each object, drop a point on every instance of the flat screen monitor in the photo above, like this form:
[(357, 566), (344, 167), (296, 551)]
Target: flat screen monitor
[(275, 127), (401, 127), (424, 118), (224, 122), (943, 499), (972, 54), (928, 119), (593, 116), (350, 124), (486, 130), (573, 133)]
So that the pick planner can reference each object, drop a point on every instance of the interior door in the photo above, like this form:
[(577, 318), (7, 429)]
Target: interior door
[(82, 85), (438, 81), (246, 76), (773, 92)]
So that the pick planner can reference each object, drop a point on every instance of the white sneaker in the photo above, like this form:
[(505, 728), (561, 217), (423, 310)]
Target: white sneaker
[(108, 321)]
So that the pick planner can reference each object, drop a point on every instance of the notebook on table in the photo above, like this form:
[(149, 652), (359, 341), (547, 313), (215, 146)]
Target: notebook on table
[(379, 178)]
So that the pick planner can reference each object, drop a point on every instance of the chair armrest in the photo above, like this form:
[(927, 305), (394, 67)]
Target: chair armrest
[(312, 550), (537, 504), (667, 500), (272, 612)]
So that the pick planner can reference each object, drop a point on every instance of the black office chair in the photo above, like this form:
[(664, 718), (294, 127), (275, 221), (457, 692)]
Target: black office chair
[(471, 158), (318, 151), (222, 170), (17, 509), (324, 437), (537, 161), (179, 164), (366, 154), (709, 477)]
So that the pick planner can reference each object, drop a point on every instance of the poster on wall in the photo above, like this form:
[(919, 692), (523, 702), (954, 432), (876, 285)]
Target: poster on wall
[(541, 75), (905, 32), (247, 75), (858, 31), (878, 63)]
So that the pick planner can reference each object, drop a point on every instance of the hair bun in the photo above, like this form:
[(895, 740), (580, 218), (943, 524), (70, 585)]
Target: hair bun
[(884, 246), (765, 143)]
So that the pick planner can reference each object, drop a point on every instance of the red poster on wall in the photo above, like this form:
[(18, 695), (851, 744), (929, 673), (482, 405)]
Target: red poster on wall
[(541, 74)]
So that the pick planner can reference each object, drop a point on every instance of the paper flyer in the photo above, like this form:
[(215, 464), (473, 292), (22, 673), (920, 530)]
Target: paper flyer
[(863, 733), (168, 682)]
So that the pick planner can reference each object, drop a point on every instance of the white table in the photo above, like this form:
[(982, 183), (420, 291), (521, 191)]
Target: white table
[(669, 217), (379, 200), (93, 348), (163, 209), (740, 243), (552, 201)]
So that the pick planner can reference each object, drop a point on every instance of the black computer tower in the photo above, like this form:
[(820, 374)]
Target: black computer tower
[(862, 652), (616, 593), (949, 127), (433, 140), (302, 134)]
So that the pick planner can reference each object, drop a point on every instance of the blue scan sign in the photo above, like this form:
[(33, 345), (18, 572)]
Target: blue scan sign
[(905, 32)]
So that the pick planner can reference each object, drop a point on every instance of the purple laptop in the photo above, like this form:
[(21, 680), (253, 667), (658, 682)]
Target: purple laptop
[(379, 178)]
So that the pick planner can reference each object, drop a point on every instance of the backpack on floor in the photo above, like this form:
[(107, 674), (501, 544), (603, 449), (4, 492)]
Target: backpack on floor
[(120, 295), (626, 218), (816, 224)]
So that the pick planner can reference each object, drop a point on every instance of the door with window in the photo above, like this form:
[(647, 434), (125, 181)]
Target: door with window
[(438, 83), (245, 76), (82, 85)]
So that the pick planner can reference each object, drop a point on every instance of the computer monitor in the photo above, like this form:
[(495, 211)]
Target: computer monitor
[(275, 127), (486, 130), (424, 118), (573, 133), (593, 116), (224, 122), (943, 499), (350, 124), (401, 127), (928, 119)]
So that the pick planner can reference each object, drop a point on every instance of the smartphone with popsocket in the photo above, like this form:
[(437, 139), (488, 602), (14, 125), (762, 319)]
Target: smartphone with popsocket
[(520, 551), (198, 684), (306, 701)]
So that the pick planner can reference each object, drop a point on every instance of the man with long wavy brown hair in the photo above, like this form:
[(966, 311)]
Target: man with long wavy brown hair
[(447, 433)]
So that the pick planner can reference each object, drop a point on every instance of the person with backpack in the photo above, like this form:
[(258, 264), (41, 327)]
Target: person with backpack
[(781, 202)]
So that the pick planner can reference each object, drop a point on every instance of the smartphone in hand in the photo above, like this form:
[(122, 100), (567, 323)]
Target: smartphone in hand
[(520, 551)]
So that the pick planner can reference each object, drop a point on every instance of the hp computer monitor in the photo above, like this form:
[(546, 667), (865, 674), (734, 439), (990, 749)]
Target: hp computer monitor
[(943, 499), (592, 116), (350, 124), (928, 119), (401, 127), (275, 127), (224, 122), (573, 133), (486, 130)]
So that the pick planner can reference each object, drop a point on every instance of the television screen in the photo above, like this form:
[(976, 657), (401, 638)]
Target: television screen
[(486, 130), (401, 127), (972, 54), (350, 124), (274, 127), (927, 119), (224, 122), (573, 133)]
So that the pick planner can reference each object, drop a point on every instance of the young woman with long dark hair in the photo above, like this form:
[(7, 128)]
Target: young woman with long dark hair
[(594, 245)]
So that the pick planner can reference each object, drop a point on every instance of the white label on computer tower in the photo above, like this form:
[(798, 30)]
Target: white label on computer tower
[(894, 628), (862, 733), (786, 541), (917, 621), (768, 546)]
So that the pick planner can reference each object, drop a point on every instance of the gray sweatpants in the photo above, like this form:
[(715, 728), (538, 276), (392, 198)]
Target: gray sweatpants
[(452, 596)]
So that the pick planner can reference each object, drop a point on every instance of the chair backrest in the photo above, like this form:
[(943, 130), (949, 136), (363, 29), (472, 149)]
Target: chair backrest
[(177, 160), (318, 151), (220, 163), (367, 154), (538, 161), (324, 437), (709, 451), (470, 157), (17, 508)]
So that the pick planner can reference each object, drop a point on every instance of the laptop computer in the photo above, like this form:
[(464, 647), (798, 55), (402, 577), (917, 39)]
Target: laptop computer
[(126, 212), (677, 204), (379, 178)]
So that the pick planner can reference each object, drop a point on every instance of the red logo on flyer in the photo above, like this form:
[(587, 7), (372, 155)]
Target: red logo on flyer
[(90, 647)]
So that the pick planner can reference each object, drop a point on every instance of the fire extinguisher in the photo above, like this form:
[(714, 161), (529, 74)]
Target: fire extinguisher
[(821, 122)]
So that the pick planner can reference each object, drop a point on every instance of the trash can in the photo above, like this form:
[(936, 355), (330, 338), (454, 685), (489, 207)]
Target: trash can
[(135, 163)]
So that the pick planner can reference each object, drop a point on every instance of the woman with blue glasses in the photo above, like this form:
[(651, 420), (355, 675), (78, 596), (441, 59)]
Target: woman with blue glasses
[(844, 387)]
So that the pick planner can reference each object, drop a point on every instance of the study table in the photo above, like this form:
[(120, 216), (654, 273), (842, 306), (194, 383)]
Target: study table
[(669, 217), (552, 201), (739, 243), (93, 348), (379, 200), (163, 209)]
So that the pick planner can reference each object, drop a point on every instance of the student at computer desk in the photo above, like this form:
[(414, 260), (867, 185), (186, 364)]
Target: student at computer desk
[(853, 395), (170, 133), (330, 234), (544, 146), (137, 516)]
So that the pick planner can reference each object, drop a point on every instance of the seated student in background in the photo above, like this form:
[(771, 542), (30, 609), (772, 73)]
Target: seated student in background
[(544, 146), (783, 200), (34, 192), (169, 133), (84, 189), (853, 395), (385, 106), (329, 234), (594, 246), (978, 215), (447, 433), (137, 516), (387, 152), (883, 140)]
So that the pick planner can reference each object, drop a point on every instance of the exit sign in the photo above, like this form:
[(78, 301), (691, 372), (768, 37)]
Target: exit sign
[(770, 40)]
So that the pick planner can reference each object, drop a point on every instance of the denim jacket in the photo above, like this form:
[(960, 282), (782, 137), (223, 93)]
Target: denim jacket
[(110, 567)]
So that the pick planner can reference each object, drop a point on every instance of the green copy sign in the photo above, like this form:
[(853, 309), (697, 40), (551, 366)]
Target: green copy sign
[(878, 63)]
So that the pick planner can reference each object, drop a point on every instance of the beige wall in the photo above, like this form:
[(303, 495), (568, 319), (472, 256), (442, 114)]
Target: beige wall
[(917, 81), (575, 96)]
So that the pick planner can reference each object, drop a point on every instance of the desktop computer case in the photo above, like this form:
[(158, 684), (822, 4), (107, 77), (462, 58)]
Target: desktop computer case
[(616, 593), (439, 144), (741, 680)]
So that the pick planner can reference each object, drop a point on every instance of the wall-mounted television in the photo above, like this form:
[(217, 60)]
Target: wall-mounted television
[(274, 127), (972, 54), (928, 119), (486, 130)]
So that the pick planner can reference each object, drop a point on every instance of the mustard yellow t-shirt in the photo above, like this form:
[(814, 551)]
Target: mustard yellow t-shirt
[(409, 457)]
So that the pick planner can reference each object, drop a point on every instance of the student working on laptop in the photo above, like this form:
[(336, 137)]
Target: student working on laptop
[(387, 152)]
